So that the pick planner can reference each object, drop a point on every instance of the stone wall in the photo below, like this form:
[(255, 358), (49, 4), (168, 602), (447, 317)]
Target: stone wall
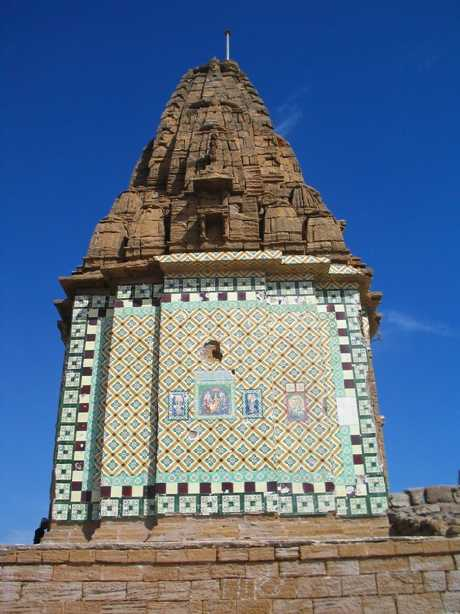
[(434, 510), (401, 576)]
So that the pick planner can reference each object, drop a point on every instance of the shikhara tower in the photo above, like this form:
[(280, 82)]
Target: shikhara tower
[(217, 335)]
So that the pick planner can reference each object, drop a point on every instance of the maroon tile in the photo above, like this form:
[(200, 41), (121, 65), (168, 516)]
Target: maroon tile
[(90, 337), (330, 308), (356, 440), (87, 371), (227, 486), (330, 487), (221, 296), (106, 491), (80, 445), (241, 296), (204, 296), (118, 303), (307, 487), (149, 491), (88, 354), (347, 366), (160, 489), (126, 491), (85, 389), (83, 407), (137, 302), (76, 486), (78, 465), (205, 488), (272, 486), (165, 298), (92, 321), (86, 496), (82, 426), (342, 332), (340, 315), (182, 488), (249, 487), (345, 349), (101, 312), (357, 459), (185, 297), (349, 383)]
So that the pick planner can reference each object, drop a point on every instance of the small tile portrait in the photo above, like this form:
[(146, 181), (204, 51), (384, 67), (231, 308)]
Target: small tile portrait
[(252, 404), (214, 400), (296, 406), (178, 405)]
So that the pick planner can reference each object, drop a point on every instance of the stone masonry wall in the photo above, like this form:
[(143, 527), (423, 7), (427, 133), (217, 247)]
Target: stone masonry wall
[(395, 575)]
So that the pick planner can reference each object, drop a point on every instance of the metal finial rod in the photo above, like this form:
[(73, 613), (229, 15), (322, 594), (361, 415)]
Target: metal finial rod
[(227, 44)]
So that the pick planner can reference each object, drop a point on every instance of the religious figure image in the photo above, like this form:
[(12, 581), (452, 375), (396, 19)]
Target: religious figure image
[(252, 404), (178, 405), (215, 401), (296, 406)]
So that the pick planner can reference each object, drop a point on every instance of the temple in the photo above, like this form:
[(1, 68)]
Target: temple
[(217, 336)]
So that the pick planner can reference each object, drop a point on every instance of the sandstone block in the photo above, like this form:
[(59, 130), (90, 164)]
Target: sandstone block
[(411, 546), (451, 602), (227, 570), (257, 570), (378, 605), (263, 553), (434, 581), (357, 550), (205, 589), (111, 556), (342, 568), (416, 496), (174, 591), (141, 591), (432, 563), (287, 554), (123, 573), (322, 586), (343, 605), (195, 572), (292, 606), (29, 573), (383, 548), (396, 563), (104, 591), (419, 604), (77, 573), (435, 546), (7, 556), (453, 580), (302, 568), (439, 494), (319, 551), (257, 606), (29, 556), (276, 587), (142, 556), (55, 556), (359, 585), (201, 554), (399, 499), (237, 588), (399, 582), (232, 554), (178, 607), (82, 556), (10, 591), (218, 606), (151, 573), (51, 591)]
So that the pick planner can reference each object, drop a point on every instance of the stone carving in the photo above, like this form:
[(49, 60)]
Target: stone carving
[(216, 176)]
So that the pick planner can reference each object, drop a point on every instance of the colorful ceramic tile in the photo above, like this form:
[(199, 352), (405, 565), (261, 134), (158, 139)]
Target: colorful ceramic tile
[(178, 406), (296, 406), (252, 404)]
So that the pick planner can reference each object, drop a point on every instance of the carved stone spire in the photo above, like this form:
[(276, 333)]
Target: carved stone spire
[(215, 177)]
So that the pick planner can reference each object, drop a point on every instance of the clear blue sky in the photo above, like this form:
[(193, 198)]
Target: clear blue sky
[(368, 95)]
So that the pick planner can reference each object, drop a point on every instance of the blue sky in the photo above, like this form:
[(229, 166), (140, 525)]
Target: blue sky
[(368, 95)]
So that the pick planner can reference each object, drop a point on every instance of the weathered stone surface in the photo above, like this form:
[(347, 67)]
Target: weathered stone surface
[(216, 176), (416, 496), (399, 499), (419, 604), (439, 494)]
